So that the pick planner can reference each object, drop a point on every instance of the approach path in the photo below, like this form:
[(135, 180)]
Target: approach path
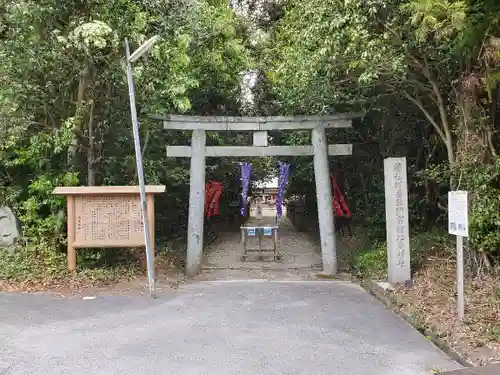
[(298, 251), (214, 328)]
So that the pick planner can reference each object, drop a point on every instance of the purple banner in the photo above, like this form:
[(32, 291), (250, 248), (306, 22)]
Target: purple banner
[(246, 170), (282, 184)]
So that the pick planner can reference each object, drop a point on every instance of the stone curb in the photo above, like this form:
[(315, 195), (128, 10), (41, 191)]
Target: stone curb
[(311, 268), (382, 292)]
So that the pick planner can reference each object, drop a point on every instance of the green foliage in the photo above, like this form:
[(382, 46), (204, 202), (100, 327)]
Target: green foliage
[(440, 19), (64, 107), (370, 261), (482, 183), (32, 262), (484, 219), (494, 333), (328, 54)]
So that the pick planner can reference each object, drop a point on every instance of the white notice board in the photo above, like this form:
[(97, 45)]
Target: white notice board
[(458, 214)]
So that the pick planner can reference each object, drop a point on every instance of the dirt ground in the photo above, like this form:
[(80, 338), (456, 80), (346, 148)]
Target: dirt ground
[(432, 301)]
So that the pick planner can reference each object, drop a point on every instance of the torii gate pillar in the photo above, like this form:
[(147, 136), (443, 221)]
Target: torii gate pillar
[(196, 203), (324, 198)]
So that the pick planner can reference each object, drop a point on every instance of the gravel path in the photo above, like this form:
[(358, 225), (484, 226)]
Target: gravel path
[(297, 250)]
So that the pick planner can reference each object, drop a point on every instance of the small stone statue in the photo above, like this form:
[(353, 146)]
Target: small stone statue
[(9, 227), (259, 208)]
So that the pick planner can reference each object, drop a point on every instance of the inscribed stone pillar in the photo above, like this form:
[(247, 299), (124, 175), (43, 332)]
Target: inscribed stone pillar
[(396, 214)]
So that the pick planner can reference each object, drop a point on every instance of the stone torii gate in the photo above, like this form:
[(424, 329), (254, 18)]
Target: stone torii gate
[(198, 151)]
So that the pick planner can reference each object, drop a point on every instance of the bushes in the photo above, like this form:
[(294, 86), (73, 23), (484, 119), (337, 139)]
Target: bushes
[(31, 262), (484, 216), (370, 261)]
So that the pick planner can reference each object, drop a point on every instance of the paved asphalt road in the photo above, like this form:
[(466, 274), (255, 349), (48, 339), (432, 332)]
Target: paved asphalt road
[(218, 328)]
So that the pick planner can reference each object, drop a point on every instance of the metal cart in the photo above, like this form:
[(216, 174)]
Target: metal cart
[(259, 232)]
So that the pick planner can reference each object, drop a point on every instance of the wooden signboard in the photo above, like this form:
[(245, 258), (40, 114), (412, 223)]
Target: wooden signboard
[(106, 216)]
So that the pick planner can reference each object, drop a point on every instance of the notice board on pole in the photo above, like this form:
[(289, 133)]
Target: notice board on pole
[(458, 213), (458, 225)]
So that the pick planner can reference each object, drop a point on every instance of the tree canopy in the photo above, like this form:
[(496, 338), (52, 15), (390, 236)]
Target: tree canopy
[(426, 72)]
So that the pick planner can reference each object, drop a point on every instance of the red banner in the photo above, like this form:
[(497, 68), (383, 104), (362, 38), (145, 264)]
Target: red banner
[(340, 207), (213, 192)]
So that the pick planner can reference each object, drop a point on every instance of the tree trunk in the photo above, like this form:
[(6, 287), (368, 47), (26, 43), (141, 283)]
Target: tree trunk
[(91, 165), (80, 98), (490, 143)]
